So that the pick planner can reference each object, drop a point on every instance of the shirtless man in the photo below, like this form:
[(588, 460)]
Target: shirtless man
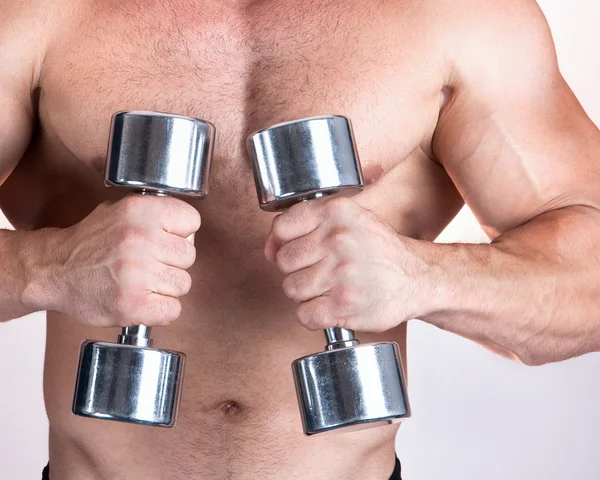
[(451, 101)]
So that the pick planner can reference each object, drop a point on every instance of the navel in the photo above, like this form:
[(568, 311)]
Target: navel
[(230, 407)]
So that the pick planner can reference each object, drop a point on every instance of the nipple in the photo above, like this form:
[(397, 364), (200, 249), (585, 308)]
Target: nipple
[(372, 173)]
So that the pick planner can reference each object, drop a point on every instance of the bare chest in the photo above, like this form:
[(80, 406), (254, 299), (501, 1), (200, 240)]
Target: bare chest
[(241, 69)]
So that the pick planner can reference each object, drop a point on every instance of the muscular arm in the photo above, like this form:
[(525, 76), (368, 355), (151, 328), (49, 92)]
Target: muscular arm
[(16, 124), (526, 159), (126, 262)]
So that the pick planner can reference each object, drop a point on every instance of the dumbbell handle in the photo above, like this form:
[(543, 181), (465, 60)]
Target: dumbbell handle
[(336, 337), (339, 338), (139, 335)]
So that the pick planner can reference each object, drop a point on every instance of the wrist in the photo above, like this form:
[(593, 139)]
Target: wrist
[(471, 293), (429, 278), (450, 282), (38, 262)]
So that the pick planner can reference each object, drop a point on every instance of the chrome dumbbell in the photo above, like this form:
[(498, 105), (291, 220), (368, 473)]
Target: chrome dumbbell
[(348, 384), (130, 381)]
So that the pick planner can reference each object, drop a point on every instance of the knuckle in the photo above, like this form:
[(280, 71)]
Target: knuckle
[(194, 219), (130, 205), (167, 310), (301, 286), (344, 299), (308, 316), (338, 206), (185, 282), (345, 271), (282, 259), (290, 287), (340, 239), (128, 277), (172, 310), (314, 315), (185, 213), (132, 237), (189, 255), (122, 268), (279, 226)]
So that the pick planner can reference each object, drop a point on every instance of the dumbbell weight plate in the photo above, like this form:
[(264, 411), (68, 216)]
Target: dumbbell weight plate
[(129, 383), (160, 152), (352, 388), (303, 160)]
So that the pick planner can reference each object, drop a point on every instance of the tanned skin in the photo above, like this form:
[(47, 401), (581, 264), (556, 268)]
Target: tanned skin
[(451, 101)]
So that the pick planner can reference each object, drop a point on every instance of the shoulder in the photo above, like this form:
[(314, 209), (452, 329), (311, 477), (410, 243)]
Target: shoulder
[(17, 17), (493, 41), (24, 30)]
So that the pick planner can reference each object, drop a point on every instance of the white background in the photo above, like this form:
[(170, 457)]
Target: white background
[(475, 416)]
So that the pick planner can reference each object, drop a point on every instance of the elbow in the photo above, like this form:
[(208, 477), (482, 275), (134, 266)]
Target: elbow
[(538, 350), (543, 351), (533, 359)]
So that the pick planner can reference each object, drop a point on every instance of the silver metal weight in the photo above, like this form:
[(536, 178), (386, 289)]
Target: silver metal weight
[(129, 381), (349, 385)]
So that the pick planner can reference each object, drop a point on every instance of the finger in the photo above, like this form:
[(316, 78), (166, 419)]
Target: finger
[(297, 221), (174, 251), (171, 214), (271, 247), (160, 310), (309, 283), (317, 314), (170, 281), (176, 216), (301, 253)]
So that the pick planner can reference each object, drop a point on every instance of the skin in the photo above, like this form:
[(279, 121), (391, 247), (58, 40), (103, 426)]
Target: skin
[(451, 101)]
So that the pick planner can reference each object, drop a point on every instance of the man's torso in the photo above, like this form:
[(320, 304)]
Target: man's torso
[(242, 68)]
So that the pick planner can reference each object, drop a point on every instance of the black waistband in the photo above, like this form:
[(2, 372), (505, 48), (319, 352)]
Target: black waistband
[(395, 475), (397, 472)]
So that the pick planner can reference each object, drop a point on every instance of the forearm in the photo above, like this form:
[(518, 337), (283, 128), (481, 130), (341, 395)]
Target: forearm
[(25, 285), (535, 291)]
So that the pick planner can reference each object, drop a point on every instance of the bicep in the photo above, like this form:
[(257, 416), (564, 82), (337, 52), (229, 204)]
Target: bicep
[(512, 136)]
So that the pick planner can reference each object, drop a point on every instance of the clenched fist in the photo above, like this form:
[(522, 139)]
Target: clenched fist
[(346, 268), (125, 264)]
